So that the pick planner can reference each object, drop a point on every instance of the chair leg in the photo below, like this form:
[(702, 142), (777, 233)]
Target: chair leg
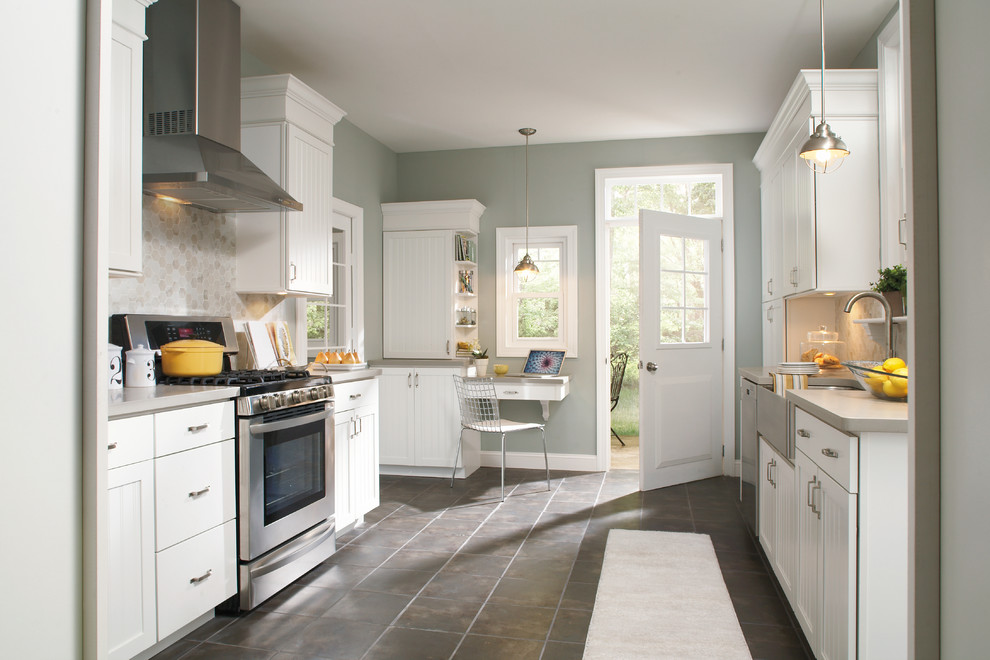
[(546, 461), (503, 467), (617, 436), (460, 441)]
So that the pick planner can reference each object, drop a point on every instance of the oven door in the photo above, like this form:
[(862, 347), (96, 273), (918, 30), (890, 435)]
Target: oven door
[(285, 475)]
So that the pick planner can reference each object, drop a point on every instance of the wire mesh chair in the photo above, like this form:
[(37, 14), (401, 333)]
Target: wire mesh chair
[(618, 373), (479, 412)]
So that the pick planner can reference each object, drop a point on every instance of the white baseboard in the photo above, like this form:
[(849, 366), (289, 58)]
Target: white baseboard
[(534, 461), (734, 468)]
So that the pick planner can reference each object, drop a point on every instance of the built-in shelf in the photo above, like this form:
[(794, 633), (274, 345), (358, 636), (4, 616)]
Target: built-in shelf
[(465, 325), (469, 264), (897, 319), (466, 294)]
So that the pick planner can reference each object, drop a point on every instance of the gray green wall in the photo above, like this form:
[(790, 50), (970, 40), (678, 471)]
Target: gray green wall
[(365, 173), (562, 180)]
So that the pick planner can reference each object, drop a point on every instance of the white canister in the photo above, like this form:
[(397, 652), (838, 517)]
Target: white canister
[(116, 367), (140, 367)]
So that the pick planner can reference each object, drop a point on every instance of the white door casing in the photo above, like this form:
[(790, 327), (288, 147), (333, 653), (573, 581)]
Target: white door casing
[(681, 400)]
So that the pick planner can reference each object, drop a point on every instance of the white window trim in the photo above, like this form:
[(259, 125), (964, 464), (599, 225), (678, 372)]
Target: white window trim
[(505, 237), (603, 268), (356, 267)]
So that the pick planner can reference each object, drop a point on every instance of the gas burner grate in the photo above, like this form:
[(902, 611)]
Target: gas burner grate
[(239, 377)]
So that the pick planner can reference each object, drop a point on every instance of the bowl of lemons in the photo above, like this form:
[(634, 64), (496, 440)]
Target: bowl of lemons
[(887, 380)]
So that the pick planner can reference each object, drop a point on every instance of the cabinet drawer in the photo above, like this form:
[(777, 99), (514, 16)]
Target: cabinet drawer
[(836, 453), (186, 428), (348, 396), (195, 576), (130, 440), (194, 491)]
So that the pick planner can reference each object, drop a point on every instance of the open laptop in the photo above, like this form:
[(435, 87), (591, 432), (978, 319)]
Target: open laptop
[(542, 364)]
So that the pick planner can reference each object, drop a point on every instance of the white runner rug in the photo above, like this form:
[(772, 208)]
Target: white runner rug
[(661, 595)]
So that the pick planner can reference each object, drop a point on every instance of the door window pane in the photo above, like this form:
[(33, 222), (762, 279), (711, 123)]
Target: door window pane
[(671, 325), (672, 253), (683, 290)]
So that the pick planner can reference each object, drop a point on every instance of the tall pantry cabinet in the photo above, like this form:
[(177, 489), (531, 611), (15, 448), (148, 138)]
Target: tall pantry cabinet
[(429, 277)]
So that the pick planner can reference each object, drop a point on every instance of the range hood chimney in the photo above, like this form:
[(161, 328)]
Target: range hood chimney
[(192, 111)]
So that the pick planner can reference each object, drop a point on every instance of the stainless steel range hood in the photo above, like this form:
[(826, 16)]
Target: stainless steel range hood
[(192, 111)]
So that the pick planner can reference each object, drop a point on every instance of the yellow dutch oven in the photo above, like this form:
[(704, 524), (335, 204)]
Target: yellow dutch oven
[(192, 357)]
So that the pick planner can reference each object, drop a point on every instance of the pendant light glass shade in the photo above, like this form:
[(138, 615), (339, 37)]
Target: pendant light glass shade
[(824, 151), (526, 269)]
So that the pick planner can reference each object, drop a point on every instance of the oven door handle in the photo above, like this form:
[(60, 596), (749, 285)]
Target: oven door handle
[(281, 425)]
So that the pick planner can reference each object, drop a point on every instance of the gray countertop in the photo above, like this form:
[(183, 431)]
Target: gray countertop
[(412, 362), (852, 411), (131, 401), (345, 375), (841, 377)]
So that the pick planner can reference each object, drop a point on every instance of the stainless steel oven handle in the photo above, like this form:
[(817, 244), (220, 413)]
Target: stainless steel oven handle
[(304, 543), (281, 425)]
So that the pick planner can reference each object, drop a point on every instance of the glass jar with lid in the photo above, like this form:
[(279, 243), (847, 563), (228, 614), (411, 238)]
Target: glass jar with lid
[(824, 348)]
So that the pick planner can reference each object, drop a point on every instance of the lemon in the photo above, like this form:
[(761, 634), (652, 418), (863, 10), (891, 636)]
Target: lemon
[(903, 371), (893, 390), (876, 383), (890, 364)]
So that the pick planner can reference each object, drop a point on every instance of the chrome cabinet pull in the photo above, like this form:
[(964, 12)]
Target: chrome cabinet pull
[(448, 347), (831, 453), (770, 286), (355, 396), (510, 392), (292, 272), (817, 510), (902, 230), (195, 429), (803, 433), (197, 580), (409, 379), (197, 493), (416, 380), (811, 500), (112, 445)]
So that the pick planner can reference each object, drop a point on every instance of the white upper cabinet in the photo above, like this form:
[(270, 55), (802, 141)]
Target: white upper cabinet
[(893, 188), (821, 232), (126, 76), (287, 131)]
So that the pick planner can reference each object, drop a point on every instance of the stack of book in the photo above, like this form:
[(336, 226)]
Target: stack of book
[(465, 249)]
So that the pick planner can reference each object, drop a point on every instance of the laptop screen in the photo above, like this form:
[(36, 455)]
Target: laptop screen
[(544, 363)]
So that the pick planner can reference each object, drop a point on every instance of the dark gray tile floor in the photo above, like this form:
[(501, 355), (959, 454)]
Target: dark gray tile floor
[(451, 573)]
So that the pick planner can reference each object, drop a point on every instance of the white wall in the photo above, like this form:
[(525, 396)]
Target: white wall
[(962, 53), (41, 266)]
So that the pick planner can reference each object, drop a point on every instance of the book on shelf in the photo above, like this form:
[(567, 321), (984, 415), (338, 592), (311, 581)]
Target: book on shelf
[(464, 248)]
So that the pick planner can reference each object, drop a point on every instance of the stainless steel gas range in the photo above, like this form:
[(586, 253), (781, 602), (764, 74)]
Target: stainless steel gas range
[(285, 450)]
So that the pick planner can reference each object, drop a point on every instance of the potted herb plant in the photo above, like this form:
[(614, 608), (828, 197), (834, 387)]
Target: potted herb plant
[(480, 360), (892, 285)]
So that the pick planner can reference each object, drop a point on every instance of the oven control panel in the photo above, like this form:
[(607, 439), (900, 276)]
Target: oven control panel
[(261, 403)]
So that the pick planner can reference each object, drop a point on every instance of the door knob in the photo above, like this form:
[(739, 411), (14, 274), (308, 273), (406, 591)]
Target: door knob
[(651, 367)]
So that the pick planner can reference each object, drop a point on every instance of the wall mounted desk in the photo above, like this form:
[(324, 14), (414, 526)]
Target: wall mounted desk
[(544, 390)]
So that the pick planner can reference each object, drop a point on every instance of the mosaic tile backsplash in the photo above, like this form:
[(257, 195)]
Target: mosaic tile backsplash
[(189, 268)]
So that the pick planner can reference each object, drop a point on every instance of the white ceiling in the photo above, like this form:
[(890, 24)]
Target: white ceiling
[(429, 75)]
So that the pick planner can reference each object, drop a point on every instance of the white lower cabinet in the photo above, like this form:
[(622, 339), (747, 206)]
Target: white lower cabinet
[(420, 423), (778, 519), (131, 558), (170, 523), (194, 576), (356, 438), (826, 600)]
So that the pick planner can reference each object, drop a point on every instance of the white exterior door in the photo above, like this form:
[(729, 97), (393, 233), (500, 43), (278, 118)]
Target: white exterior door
[(681, 347)]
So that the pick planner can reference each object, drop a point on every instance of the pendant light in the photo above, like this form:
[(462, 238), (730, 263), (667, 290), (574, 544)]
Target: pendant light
[(824, 150), (526, 269)]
